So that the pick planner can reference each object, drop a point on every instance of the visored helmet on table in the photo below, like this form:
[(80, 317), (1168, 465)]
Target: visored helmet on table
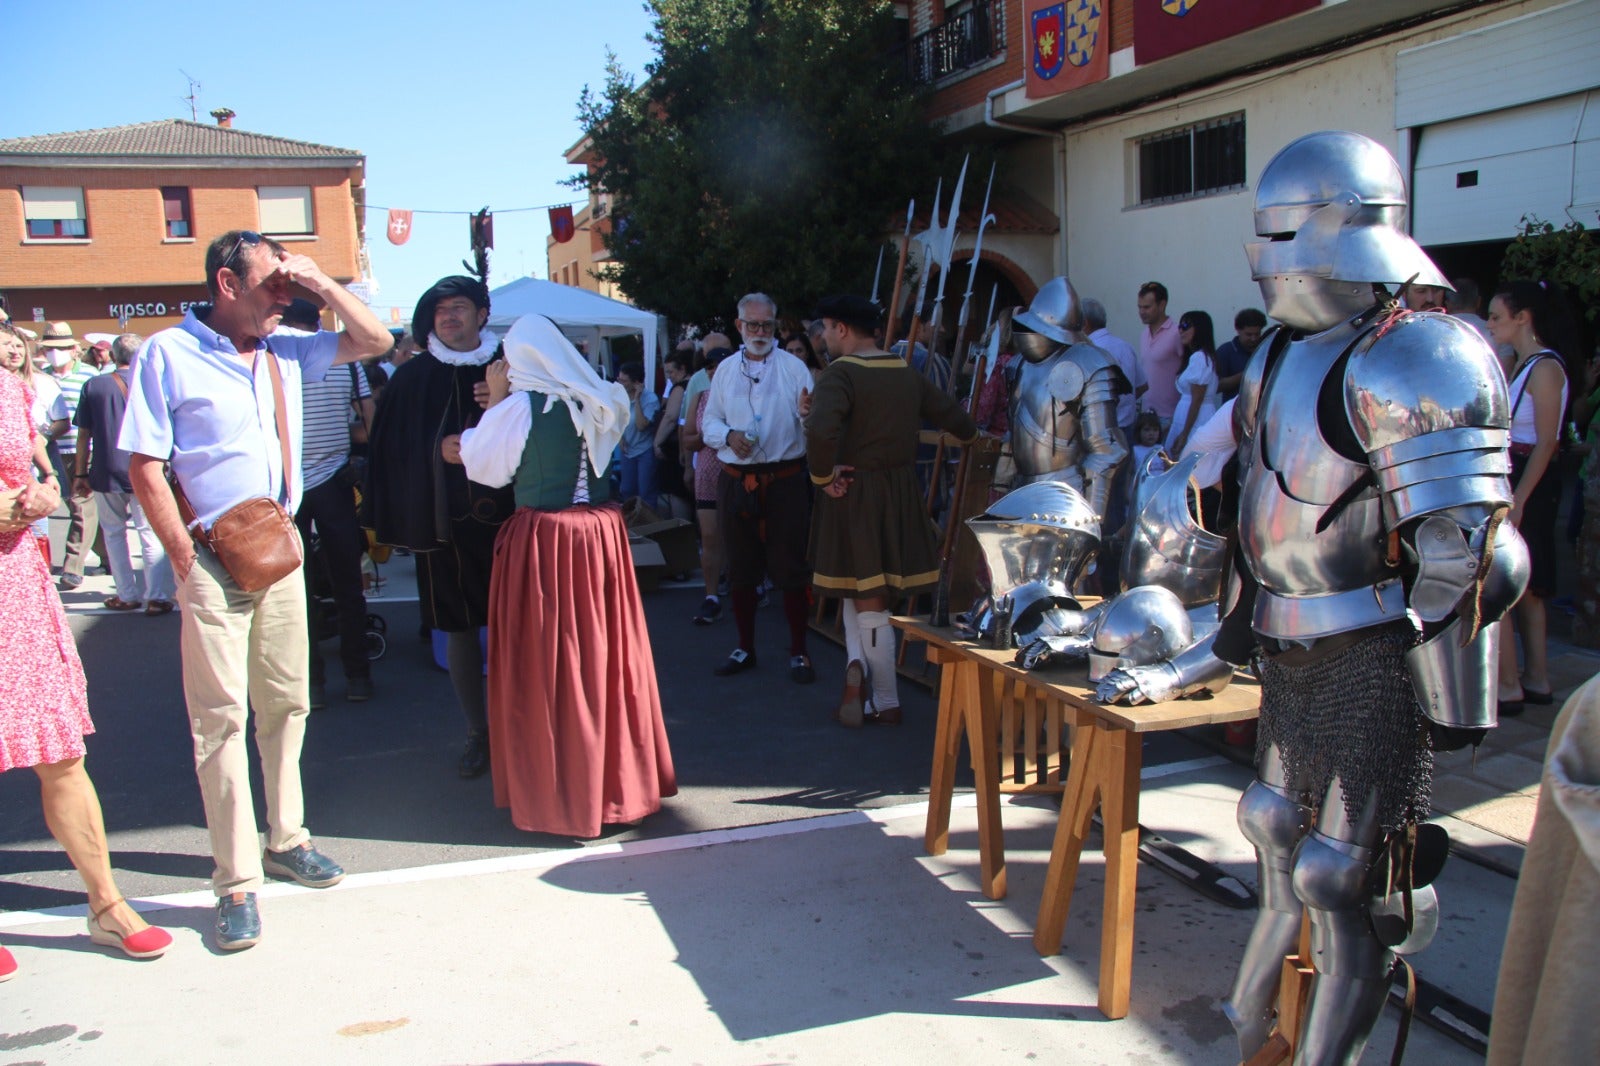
[(1141, 626), (1038, 541)]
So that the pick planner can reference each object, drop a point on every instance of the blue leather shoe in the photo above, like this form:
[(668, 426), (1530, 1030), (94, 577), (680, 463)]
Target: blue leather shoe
[(304, 864), (238, 921)]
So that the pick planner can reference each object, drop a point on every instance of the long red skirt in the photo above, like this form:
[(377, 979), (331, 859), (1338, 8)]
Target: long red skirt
[(576, 734)]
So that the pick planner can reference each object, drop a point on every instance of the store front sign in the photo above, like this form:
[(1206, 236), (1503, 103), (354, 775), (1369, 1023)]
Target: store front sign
[(151, 309)]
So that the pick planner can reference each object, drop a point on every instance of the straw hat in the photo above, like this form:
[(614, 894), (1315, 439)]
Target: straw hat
[(59, 335)]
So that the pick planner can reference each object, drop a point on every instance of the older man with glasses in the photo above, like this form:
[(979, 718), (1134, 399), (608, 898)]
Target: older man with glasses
[(754, 418), (209, 395)]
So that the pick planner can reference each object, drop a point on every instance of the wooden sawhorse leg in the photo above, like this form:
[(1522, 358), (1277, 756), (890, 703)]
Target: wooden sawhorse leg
[(1104, 773), (948, 727), (983, 728), (967, 706)]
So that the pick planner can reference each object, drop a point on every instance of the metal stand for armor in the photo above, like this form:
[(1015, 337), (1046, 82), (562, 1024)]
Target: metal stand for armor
[(1293, 992)]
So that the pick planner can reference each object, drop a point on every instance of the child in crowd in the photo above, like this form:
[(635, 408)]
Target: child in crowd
[(1146, 439)]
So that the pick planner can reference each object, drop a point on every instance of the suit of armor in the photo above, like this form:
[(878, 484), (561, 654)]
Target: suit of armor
[(1063, 399), (1373, 566)]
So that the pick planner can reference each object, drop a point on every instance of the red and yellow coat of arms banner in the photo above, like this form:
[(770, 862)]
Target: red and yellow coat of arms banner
[(1163, 28), (1069, 45)]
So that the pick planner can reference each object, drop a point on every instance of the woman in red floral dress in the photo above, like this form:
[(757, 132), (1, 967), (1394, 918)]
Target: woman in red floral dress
[(44, 710)]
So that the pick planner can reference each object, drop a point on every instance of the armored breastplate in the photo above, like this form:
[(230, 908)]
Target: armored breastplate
[(1313, 584), (1044, 424), (1167, 546)]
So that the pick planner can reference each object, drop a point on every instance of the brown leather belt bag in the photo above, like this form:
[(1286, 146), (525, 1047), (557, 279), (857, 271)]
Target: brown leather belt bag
[(255, 541)]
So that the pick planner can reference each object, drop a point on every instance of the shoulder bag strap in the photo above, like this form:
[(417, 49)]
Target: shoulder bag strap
[(1527, 372), (281, 415)]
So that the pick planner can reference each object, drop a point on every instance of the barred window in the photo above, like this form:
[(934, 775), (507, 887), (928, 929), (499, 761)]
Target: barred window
[(1192, 161)]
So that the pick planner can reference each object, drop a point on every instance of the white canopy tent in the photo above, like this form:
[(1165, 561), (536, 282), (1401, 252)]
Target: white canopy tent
[(579, 314)]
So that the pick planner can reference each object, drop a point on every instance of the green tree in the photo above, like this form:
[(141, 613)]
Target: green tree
[(770, 148), (1569, 255)]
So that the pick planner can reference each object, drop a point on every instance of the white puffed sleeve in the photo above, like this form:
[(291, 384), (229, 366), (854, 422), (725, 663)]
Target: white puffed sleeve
[(492, 450)]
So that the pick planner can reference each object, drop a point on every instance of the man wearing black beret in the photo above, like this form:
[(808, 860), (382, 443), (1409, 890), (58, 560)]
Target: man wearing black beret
[(418, 495), (871, 539)]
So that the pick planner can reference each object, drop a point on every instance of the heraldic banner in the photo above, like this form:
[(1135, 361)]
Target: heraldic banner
[(1163, 28), (399, 226), (561, 223), (1069, 44)]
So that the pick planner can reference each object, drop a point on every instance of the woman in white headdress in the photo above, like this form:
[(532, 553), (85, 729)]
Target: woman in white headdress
[(577, 736)]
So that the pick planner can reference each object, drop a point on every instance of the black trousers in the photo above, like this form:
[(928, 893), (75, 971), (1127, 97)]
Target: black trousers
[(765, 533), (332, 510)]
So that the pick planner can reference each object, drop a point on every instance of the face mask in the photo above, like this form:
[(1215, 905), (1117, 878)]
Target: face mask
[(61, 357)]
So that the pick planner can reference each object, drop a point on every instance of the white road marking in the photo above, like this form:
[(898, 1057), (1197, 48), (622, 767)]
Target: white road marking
[(545, 860)]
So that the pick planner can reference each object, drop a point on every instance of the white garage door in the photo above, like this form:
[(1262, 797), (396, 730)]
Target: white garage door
[(1476, 177)]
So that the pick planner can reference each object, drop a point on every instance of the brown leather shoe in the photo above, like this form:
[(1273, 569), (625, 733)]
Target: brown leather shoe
[(850, 712)]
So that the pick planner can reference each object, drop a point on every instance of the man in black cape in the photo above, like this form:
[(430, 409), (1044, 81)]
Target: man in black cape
[(418, 495)]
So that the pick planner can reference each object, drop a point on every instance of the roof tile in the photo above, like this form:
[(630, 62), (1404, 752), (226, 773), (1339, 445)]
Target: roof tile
[(172, 137)]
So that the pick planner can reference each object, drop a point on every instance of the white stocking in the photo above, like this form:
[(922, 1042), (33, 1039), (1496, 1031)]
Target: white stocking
[(852, 631), (877, 643)]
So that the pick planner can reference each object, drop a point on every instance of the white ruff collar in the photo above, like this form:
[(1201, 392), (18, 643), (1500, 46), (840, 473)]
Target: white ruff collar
[(487, 343)]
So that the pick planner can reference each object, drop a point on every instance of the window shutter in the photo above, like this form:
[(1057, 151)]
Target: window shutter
[(285, 209), (52, 203)]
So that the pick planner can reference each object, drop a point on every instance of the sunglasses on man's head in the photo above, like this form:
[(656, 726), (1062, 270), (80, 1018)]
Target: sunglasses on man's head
[(247, 238)]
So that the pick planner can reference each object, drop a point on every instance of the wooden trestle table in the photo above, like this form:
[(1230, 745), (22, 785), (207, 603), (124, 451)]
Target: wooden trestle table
[(980, 692)]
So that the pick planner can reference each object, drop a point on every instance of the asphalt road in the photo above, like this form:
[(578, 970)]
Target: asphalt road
[(380, 780)]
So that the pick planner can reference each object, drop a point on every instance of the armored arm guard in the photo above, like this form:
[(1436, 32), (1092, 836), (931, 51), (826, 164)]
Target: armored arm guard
[(1429, 406), (1105, 450), (1193, 670)]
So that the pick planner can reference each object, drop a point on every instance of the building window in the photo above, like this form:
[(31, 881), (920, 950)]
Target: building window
[(1191, 161), (286, 210), (175, 209), (54, 212)]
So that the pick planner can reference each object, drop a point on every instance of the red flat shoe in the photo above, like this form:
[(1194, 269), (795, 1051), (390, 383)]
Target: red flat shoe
[(8, 965), (150, 943)]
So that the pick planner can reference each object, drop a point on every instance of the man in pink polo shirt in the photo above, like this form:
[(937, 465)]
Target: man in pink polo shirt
[(1160, 352)]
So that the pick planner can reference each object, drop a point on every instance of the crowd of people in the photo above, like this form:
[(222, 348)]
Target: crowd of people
[(500, 465)]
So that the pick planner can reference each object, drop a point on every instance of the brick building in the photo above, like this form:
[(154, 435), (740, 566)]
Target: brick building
[(574, 262), (1149, 161), (107, 228)]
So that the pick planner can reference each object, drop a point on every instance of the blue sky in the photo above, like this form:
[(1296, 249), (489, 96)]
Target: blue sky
[(456, 106)]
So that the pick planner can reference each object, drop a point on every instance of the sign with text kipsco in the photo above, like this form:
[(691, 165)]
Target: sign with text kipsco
[(152, 308)]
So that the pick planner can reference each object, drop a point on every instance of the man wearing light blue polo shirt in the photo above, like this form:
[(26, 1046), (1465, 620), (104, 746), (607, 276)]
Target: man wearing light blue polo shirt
[(203, 398)]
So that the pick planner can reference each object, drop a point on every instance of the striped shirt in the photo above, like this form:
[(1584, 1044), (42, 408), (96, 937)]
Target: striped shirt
[(66, 404), (329, 412)]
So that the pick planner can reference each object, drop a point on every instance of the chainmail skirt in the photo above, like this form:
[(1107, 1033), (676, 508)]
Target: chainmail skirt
[(1353, 715)]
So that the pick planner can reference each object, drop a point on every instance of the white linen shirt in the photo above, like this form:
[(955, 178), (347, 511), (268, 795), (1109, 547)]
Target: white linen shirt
[(760, 398), (195, 402), (1214, 440), (1132, 369)]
